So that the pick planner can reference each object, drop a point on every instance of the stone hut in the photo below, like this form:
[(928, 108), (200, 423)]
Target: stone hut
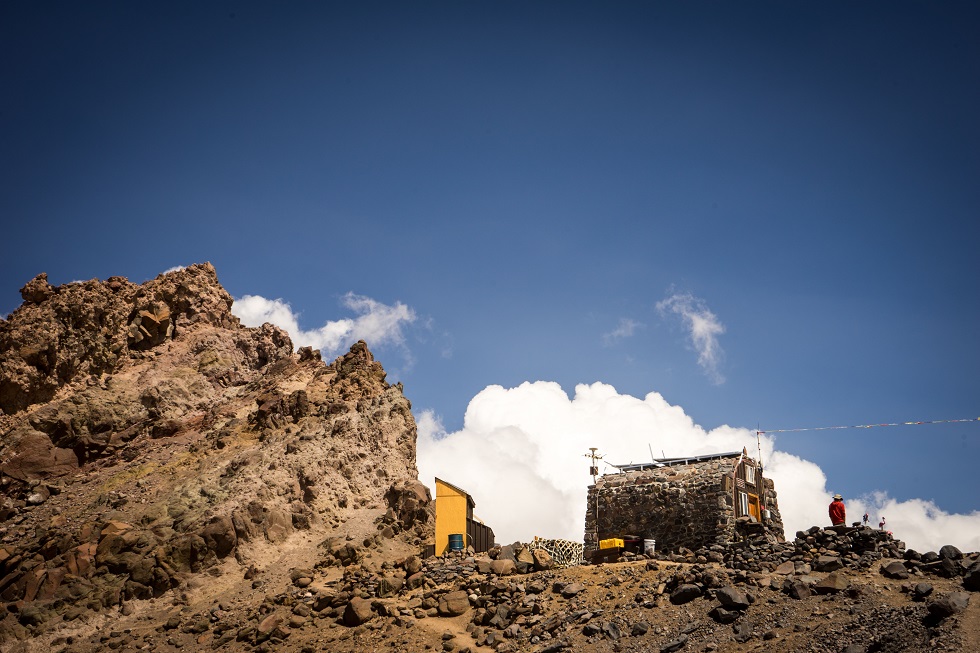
[(690, 502)]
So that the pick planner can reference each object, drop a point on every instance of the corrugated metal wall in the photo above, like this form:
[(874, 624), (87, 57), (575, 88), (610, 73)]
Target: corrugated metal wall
[(479, 536)]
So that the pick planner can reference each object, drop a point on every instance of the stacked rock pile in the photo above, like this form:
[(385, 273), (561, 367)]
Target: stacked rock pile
[(827, 550), (838, 546), (854, 547)]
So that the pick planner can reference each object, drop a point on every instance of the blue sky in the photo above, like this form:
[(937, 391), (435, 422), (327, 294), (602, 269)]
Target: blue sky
[(501, 193)]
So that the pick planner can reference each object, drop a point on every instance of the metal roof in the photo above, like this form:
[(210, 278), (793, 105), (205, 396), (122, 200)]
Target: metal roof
[(669, 462)]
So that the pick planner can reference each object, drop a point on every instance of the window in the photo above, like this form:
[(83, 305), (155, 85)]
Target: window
[(743, 504), (748, 473)]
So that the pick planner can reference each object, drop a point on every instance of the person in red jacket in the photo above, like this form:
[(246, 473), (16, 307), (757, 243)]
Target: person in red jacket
[(837, 510)]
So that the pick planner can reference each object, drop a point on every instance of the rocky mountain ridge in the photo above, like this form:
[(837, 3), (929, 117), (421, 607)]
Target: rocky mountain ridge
[(173, 481), (147, 436)]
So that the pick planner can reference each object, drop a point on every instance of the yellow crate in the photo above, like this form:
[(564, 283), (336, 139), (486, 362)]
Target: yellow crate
[(612, 543)]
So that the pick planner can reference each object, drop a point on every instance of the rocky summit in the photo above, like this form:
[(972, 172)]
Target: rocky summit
[(174, 481)]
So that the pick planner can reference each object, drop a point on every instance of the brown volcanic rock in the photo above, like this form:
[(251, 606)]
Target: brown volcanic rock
[(86, 328), (146, 437), (97, 333), (36, 456)]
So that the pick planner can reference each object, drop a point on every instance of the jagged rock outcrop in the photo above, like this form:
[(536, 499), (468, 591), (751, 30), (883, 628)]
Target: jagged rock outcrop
[(146, 435), (88, 328)]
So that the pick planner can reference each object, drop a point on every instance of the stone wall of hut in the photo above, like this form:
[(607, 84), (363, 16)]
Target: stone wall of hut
[(690, 506), (774, 524)]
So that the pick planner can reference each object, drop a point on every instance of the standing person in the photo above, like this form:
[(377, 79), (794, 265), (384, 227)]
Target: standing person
[(837, 510), (881, 524), (866, 517)]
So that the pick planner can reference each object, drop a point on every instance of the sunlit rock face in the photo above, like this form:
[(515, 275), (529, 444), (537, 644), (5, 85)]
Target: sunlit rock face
[(146, 436)]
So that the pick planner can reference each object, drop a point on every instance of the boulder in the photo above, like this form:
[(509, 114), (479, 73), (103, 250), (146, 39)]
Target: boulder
[(453, 604), (945, 567), (723, 615), (832, 583), (357, 612), (36, 457), (220, 536), (346, 553), (543, 560), (151, 327), (797, 589), (611, 630), (971, 580), (503, 567), (785, 569), (921, 591), (732, 598), (301, 577), (827, 563), (950, 552), (895, 570), (685, 593), (524, 560), (501, 617), (37, 289), (412, 565), (390, 584), (268, 626), (572, 589), (415, 581), (509, 552), (949, 604)]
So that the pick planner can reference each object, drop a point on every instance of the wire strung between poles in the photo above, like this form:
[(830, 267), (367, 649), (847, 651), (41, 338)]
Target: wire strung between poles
[(868, 426)]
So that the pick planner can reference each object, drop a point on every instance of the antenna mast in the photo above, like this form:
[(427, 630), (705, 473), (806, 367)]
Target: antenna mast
[(594, 467), (594, 471)]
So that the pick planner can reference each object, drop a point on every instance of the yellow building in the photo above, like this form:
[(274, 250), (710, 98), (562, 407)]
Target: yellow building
[(454, 516)]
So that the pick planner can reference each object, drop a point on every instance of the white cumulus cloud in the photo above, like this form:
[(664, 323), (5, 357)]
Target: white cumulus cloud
[(703, 328), (521, 454), (376, 323)]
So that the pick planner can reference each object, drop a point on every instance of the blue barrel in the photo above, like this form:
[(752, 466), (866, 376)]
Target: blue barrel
[(456, 542)]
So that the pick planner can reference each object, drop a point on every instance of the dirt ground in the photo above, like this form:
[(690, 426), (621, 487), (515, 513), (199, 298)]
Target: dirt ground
[(874, 614)]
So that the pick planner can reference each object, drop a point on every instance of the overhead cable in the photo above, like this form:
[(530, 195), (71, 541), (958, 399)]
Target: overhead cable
[(868, 426)]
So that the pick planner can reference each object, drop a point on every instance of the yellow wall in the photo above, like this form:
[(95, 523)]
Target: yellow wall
[(451, 511)]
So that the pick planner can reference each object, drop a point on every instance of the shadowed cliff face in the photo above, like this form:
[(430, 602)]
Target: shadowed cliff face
[(146, 435)]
